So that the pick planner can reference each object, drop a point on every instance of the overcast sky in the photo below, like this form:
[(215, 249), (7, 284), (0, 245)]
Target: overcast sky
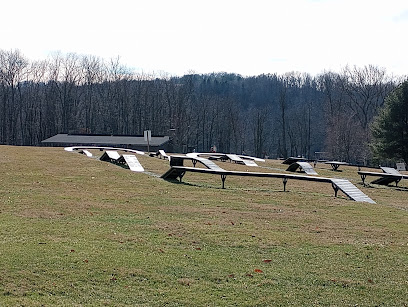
[(245, 37)]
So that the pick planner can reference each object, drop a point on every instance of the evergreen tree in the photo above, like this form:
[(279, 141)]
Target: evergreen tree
[(390, 128)]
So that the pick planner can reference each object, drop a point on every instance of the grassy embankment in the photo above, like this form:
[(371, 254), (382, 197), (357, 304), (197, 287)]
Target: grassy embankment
[(78, 231)]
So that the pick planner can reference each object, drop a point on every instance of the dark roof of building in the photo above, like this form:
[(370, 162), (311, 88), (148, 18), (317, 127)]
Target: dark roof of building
[(105, 139)]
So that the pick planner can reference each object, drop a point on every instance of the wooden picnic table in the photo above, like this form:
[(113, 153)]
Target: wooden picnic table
[(335, 164)]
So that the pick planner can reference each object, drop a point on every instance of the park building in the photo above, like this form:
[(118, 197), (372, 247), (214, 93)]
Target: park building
[(122, 141)]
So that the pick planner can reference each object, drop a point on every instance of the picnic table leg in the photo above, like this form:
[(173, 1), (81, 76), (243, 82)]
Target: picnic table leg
[(363, 177), (285, 180), (223, 177), (335, 188), (335, 167), (181, 176)]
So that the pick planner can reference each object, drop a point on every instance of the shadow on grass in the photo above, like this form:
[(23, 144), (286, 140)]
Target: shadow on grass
[(200, 185), (175, 181), (386, 187)]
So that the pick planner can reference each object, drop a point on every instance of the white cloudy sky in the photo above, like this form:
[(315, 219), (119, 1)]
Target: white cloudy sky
[(246, 37)]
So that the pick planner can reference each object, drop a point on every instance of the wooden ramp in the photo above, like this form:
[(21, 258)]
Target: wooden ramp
[(237, 159), (86, 152), (249, 162), (384, 178), (132, 162), (251, 158), (351, 190), (74, 148), (162, 154), (292, 160), (306, 167), (393, 171), (208, 163), (110, 156), (179, 161), (173, 173), (390, 170)]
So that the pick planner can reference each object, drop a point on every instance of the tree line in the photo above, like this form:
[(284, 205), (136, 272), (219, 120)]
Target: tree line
[(277, 115)]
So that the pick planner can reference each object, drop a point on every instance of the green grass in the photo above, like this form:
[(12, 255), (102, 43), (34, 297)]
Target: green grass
[(78, 231)]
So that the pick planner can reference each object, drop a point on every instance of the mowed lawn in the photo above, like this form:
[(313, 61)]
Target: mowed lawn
[(78, 231)]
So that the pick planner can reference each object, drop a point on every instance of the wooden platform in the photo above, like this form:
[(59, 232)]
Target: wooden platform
[(385, 179), (177, 172), (179, 161), (79, 148)]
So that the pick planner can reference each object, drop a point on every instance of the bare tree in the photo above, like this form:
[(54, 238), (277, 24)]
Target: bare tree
[(93, 75), (365, 89), (12, 69)]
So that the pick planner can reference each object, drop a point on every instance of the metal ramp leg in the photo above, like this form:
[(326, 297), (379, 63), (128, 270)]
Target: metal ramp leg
[(335, 188), (223, 177), (363, 177), (181, 176), (285, 180)]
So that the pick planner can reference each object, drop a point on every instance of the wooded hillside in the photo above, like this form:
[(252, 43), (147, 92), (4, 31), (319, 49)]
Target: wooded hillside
[(275, 115)]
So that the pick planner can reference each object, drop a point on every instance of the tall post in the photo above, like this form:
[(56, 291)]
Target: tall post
[(148, 138)]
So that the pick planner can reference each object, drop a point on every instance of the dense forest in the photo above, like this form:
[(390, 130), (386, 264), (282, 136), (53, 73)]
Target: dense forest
[(275, 115)]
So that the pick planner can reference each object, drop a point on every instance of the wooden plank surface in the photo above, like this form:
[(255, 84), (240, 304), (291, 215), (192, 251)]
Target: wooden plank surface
[(344, 185), (133, 163), (209, 164), (306, 167), (249, 162), (352, 191), (390, 170), (113, 154)]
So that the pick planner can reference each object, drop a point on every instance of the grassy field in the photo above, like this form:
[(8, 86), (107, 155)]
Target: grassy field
[(76, 231)]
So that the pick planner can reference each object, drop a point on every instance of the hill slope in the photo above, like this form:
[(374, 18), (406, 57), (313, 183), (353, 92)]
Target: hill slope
[(78, 231)]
